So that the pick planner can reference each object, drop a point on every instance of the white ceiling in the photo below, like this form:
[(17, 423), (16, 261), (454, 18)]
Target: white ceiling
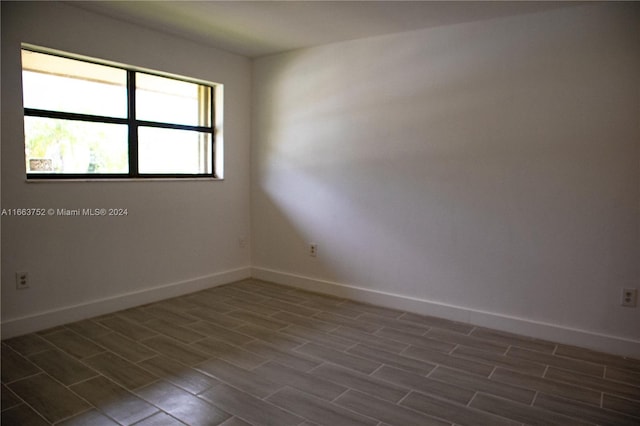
[(257, 28)]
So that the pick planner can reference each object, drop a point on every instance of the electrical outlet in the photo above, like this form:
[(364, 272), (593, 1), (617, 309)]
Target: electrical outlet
[(22, 280), (629, 297), (313, 249)]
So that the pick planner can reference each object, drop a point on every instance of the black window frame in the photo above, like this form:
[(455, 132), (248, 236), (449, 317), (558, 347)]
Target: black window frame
[(132, 123)]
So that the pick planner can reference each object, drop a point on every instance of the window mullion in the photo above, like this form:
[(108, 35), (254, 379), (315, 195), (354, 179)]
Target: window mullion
[(133, 124), (212, 111), (34, 112)]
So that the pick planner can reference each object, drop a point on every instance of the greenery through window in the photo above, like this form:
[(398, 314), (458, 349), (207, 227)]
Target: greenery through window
[(85, 119)]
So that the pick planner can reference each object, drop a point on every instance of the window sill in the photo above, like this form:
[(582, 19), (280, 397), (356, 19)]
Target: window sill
[(154, 179)]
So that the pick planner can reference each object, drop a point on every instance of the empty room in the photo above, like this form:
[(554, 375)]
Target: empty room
[(376, 213)]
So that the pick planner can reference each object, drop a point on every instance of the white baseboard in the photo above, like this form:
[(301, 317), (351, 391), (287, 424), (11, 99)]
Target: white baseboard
[(553, 332), (523, 326), (43, 320)]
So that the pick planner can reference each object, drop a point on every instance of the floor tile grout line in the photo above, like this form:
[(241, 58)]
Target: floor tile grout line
[(581, 361), (398, 386), (185, 342), (593, 388), (622, 382), (27, 404), (574, 385), (106, 349), (311, 371), (89, 403), (453, 349), (97, 373), (86, 380), (535, 397), (495, 367), (356, 412), (634, 416), (471, 399), (264, 398), (23, 378), (506, 351), (154, 414), (382, 365), (91, 407), (160, 409), (433, 416), (576, 371), (31, 354), (347, 389), (275, 405), (71, 355), (501, 416), (430, 373)]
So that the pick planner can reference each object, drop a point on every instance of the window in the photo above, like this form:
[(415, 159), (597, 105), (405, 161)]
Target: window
[(86, 119)]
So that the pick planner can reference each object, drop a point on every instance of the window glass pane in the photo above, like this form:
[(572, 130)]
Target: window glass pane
[(68, 146), (167, 100), (173, 151), (61, 84)]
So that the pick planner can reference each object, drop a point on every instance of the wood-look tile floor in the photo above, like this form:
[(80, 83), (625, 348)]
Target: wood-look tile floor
[(256, 353)]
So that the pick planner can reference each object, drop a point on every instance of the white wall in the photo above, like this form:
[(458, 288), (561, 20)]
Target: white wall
[(486, 171), (179, 232)]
